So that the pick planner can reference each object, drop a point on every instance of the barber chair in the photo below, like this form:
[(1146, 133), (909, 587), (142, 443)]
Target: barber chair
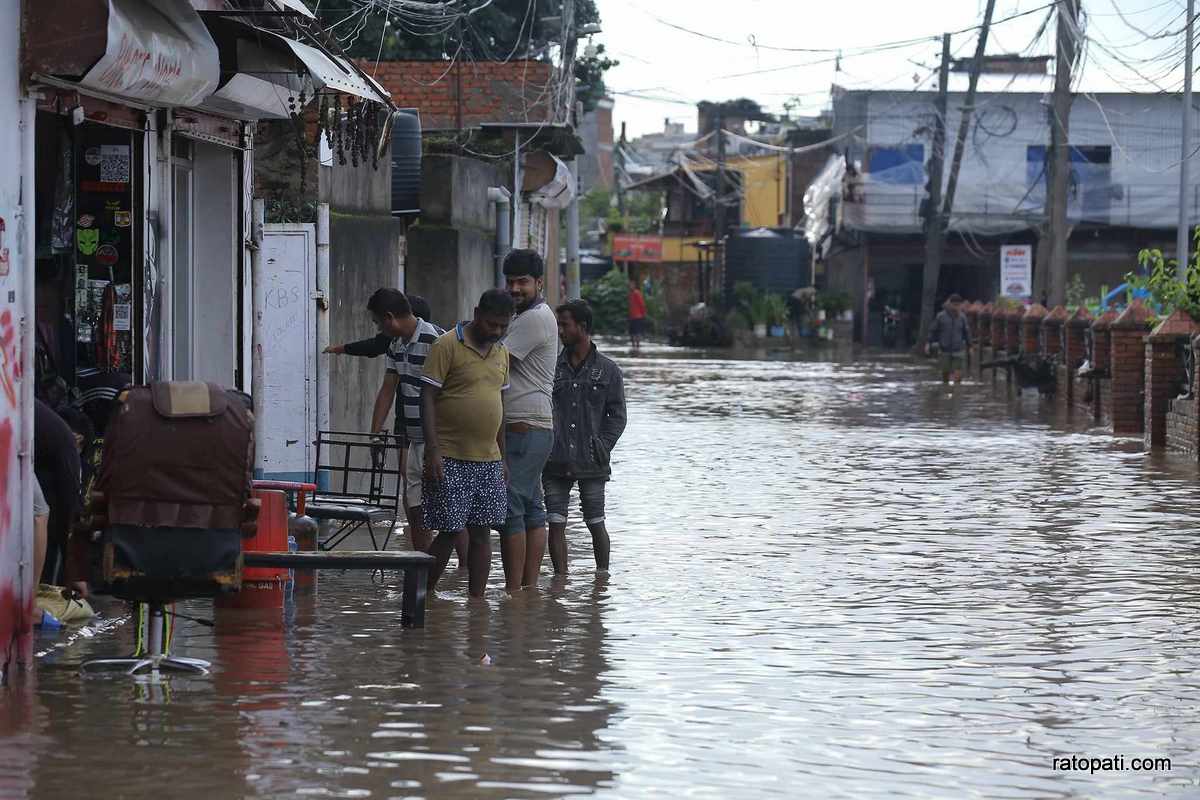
[(171, 508)]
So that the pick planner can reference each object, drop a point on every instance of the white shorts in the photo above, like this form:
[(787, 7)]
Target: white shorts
[(413, 469)]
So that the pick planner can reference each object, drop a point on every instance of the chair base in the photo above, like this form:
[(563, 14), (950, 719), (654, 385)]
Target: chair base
[(155, 659), (135, 664)]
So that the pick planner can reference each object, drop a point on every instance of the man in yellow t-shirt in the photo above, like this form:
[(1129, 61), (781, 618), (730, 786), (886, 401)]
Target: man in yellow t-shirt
[(462, 414)]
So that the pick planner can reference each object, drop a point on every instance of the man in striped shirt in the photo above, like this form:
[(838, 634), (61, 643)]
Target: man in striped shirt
[(411, 337)]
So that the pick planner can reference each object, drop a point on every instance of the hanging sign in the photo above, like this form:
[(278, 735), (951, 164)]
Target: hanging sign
[(159, 53), (1016, 270), (630, 247)]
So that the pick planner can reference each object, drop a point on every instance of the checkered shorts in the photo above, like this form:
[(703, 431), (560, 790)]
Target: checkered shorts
[(473, 494)]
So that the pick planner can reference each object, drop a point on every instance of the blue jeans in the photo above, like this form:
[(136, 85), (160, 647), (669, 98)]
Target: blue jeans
[(558, 498), (526, 454)]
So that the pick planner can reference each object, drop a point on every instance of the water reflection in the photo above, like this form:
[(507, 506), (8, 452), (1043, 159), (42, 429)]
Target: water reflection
[(830, 578)]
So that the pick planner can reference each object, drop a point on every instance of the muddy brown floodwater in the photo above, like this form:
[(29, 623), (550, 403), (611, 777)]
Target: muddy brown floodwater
[(830, 580)]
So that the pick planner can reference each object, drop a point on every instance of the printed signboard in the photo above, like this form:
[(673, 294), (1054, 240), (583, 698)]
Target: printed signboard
[(1016, 270), (629, 247)]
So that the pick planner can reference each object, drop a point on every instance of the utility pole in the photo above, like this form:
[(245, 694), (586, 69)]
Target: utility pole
[(620, 149), (934, 234), (929, 289), (572, 112), (719, 223), (1185, 158), (1060, 147)]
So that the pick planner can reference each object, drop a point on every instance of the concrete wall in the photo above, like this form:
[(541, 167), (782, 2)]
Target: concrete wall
[(450, 250), (366, 252), (278, 174), (364, 255)]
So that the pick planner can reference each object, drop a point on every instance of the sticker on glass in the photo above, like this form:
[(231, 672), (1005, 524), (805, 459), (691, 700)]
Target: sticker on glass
[(107, 255), (114, 163), (89, 240), (86, 220), (122, 317)]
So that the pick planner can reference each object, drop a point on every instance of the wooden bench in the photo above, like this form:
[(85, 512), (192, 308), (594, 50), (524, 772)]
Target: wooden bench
[(414, 565)]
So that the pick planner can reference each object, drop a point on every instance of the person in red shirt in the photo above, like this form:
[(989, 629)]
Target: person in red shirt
[(637, 315)]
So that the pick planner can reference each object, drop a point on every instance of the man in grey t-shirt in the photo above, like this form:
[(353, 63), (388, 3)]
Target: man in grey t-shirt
[(532, 343)]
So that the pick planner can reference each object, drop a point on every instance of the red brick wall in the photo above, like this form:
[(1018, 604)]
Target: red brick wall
[(492, 91), (1163, 370), (1031, 328), (1128, 365), (1183, 417)]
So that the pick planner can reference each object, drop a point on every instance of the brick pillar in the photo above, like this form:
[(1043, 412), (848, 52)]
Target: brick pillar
[(972, 311), (1075, 338), (1128, 366), (1164, 373), (997, 332), (1031, 329), (1012, 329), (1101, 356), (1070, 356), (985, 325), (1052, 333)]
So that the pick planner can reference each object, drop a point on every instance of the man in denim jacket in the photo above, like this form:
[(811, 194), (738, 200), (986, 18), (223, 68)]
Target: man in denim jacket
[(589, 417)]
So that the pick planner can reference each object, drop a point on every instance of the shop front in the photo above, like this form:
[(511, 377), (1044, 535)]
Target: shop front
[(131, 205)]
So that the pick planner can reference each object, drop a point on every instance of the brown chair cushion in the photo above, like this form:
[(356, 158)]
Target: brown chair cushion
[(178, 455)]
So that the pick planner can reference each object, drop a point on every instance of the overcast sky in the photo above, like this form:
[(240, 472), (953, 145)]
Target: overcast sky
[(665, 71)]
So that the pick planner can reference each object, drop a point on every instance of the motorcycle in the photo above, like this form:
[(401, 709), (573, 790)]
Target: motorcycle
[(891, 326)]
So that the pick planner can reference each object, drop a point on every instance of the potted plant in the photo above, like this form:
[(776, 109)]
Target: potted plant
[(760, 314), (778, 314)]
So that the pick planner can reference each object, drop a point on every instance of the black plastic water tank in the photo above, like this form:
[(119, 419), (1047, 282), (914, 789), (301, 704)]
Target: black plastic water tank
[(406, 161), (774, 260)]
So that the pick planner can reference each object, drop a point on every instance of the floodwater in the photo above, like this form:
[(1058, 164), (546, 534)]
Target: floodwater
[(829, 580)]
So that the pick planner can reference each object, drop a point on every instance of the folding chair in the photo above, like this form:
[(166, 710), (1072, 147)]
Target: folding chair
[(360, 484)]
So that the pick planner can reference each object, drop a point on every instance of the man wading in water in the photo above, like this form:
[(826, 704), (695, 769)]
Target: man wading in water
[(589, 418), (462, 414), (532, 344), (949, 333)]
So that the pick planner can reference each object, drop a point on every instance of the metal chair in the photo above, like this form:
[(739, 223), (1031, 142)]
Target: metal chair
[(360, 485)]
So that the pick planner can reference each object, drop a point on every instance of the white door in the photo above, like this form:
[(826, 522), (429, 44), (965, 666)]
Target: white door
[(289, 341)]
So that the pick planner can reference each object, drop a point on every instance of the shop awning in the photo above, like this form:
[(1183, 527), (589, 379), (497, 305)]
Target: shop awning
[(158, 53), (150, 53), (336, 73), (264, 73), (262, 80)]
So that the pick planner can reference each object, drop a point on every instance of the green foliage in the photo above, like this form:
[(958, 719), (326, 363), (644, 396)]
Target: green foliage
[(759, 308), (656, 303), (833, 303), (1076, 291), (498, 31), (609, 299), (1167, 291), (643, 210), (589, 77), (777, 309)]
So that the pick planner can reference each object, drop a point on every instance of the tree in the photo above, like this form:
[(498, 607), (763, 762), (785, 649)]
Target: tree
[(499, 31), (643, 210)]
